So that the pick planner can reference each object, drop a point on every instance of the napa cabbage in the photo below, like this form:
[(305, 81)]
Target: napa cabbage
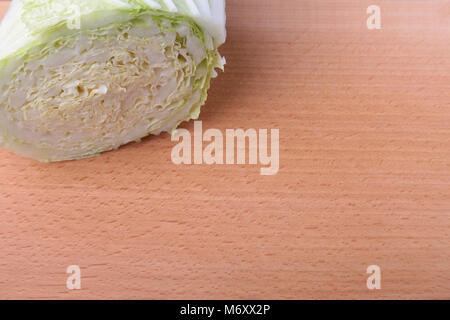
[(80, 77)]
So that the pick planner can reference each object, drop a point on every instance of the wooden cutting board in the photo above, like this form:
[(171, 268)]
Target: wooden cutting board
[(364, 174)]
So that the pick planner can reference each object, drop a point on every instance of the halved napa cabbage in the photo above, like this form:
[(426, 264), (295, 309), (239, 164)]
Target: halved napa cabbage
[(80, 77)]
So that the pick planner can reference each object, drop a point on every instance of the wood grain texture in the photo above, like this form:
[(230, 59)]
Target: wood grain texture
[(364, 178)]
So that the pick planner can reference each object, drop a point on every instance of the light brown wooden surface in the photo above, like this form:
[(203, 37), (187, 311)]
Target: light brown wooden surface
[(364, 179)]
